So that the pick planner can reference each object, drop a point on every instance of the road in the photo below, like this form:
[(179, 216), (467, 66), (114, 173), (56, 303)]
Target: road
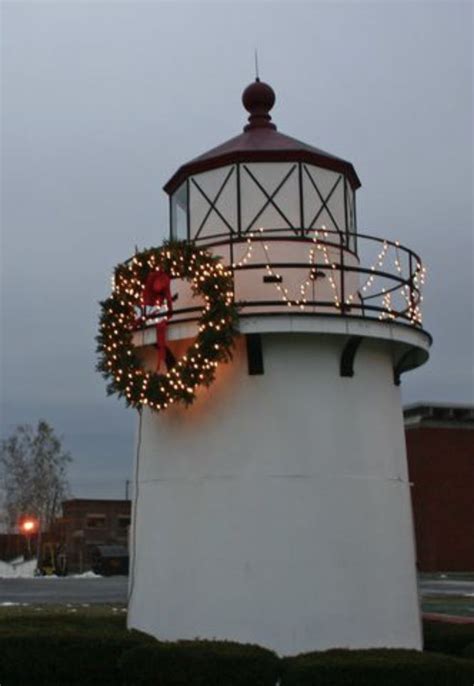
[(461, 587), (112, 589)]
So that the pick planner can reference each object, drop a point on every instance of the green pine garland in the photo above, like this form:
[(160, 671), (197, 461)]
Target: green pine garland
[(119, 362)]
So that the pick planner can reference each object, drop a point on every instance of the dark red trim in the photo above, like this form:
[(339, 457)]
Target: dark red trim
[(235, 156)]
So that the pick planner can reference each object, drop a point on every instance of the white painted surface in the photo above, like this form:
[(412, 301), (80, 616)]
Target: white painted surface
[(276, 510), (250, 286), (400, 337)]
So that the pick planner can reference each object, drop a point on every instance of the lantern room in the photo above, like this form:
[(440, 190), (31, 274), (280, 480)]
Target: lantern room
[(262, 178), (282, 214)]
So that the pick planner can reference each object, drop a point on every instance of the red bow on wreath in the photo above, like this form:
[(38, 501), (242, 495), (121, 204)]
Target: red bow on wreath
[(157, 293)]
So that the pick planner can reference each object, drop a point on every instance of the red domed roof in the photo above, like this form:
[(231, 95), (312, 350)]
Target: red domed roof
[(261, 142)]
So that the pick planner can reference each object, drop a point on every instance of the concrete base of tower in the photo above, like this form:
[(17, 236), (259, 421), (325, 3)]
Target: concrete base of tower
[(276, 510)]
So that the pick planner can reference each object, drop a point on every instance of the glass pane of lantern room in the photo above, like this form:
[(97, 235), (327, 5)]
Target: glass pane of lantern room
[(351, 226), (179, 213)]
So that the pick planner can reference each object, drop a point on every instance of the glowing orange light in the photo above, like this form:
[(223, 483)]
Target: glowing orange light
[(28, 526)]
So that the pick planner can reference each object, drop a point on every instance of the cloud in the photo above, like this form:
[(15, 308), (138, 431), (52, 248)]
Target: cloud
[(102, 102)]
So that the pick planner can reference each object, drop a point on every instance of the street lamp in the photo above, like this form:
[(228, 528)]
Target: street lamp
[(28, 527)]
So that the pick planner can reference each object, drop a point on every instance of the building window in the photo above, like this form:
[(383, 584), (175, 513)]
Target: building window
[(123, 522), (95, 521)]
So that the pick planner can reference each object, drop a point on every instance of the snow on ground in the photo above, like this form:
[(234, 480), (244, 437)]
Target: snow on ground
[(16, 560), (17, 569), (25, 569), (7, 603)]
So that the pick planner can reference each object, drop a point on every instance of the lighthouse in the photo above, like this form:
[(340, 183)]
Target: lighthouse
[(275, 509)]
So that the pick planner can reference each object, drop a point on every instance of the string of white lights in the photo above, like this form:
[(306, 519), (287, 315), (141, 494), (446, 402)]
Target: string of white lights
[(412, 299), (411, 294), (332, 265), (378, 263), (135, 381), (278, 278)]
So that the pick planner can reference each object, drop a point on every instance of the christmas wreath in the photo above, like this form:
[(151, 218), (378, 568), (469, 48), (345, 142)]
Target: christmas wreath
[(141, 296)]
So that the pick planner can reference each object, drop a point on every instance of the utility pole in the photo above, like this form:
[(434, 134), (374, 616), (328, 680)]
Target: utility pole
[(127, 483)]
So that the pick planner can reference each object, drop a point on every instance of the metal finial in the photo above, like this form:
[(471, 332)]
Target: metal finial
[(257, 76)]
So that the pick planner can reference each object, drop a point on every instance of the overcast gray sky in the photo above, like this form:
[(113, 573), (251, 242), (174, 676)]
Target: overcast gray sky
[(102, 101)]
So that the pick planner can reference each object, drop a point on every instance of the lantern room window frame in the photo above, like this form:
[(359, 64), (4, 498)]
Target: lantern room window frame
[(234, 173)]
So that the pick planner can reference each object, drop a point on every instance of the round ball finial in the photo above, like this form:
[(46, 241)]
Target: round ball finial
[(258, 99)]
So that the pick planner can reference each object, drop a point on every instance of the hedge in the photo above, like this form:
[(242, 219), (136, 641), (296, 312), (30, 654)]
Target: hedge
[(469, 651), (62, 650), (81, 650), (199, 663), (375, 667), (62, 660), (40, 651), (443, 637)]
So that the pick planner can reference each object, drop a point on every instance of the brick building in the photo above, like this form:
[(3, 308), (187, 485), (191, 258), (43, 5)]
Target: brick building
[(88, 523), (440, 449)]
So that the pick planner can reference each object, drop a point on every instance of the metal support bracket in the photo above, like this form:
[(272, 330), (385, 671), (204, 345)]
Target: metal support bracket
[(348, 355), (409, 360), (254, 354)]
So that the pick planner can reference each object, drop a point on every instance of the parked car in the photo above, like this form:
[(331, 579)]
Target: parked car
[(108, 560)]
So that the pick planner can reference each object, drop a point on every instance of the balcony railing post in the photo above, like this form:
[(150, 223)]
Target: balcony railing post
[(410, 282), (366, 305), (342, 276), (232, 261)]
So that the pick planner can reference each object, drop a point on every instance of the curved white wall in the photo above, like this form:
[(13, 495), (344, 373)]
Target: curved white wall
[(250, 287), (276, 510)]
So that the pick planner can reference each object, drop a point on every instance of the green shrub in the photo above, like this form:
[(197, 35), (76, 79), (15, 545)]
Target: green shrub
[(82, 621), (199, 663), (63, 650), (93, 648), (469, 651), (442, 637), (376, 668)]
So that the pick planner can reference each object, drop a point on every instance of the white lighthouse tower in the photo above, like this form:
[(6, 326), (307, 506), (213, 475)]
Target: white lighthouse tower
[(276, 509)]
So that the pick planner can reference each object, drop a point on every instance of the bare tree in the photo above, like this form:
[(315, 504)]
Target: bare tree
[(33, 467)]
